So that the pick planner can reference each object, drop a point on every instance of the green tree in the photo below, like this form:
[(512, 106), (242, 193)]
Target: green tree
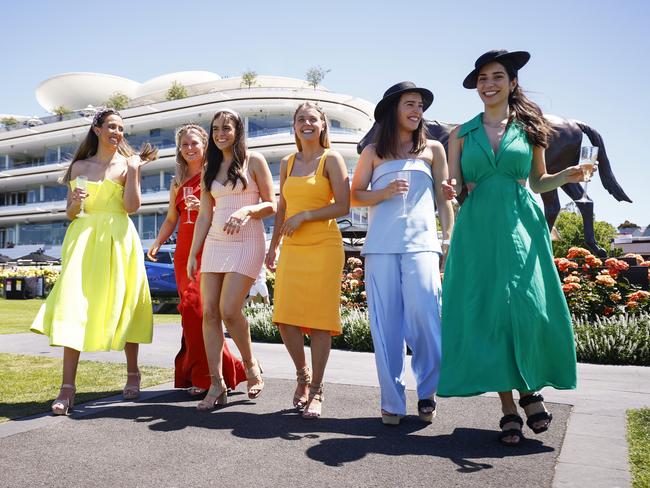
[(569, 226), (176, 91), (118, 101), (9, 121), (61, 110), (248, 78), (315, 75)]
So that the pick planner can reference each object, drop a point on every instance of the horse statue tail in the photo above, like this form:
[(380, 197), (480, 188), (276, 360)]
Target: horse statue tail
[(604, 167)]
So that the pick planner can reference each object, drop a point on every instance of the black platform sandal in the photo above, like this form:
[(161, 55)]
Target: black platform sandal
[(531, 420), (506, 419), (426, 410)]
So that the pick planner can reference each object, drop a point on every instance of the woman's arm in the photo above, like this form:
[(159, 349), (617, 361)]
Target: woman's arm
[(453, 186), (279, 219), (76, 196), (541, 182), (203, 222), (440, 174), (167, 226), (360, 195), (132, 196), (337, 173)]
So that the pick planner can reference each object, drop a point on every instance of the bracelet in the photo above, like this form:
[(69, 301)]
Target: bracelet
[(446, 242)]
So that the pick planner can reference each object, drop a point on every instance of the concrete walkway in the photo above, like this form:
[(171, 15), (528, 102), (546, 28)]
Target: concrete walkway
[(594, 451)]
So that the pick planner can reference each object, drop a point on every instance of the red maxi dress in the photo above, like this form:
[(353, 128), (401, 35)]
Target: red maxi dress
[(191, 364)]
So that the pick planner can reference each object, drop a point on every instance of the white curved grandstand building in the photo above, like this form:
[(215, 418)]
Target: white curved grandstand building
[(35, 150)]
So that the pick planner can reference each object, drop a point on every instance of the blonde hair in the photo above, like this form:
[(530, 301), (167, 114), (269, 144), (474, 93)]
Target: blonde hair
[(323, 139), (90, 144), (181, 165)]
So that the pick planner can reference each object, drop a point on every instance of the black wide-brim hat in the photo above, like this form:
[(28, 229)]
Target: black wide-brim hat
[(397, 91), (513, 61)]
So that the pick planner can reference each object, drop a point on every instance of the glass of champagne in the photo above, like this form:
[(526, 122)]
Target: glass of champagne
[(588, 162), (406, 176), (188, 191), (82, 183)]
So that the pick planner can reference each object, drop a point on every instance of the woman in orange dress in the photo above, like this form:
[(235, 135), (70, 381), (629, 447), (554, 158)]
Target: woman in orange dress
[(191, 364)]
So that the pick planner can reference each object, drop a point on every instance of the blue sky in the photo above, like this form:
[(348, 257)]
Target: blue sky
[(589, 58)]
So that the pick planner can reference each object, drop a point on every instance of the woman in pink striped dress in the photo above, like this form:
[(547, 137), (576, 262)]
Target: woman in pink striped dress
[(237, 193)]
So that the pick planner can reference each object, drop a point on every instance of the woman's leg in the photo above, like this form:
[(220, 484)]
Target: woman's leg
[(294, 341), (65, 398), (321, 344), (234, 289), (211, 289)]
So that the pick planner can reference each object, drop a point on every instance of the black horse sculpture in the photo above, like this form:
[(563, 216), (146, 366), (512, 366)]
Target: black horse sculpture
[(563, 151)]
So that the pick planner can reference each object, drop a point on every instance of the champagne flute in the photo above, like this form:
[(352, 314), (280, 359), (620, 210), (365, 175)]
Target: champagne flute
[(406, 176), (588, 162), (82, 183), (188, 191)]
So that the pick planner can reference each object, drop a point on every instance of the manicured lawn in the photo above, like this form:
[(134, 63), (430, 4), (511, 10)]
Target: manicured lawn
[(638, 438), (17, 315), (29, 384)]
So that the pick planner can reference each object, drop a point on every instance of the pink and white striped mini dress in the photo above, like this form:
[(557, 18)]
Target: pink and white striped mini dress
[(244, 251)]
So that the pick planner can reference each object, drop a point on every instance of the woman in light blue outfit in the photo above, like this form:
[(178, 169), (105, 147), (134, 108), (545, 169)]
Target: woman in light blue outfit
[(402, 251)]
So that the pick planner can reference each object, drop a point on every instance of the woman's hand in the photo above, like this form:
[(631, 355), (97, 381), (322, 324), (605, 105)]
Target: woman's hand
[(269, 260), (134, 162), (192, 267), (192, 203), (292, 224), (573, 174), (395, 188), (78, 195), (236, 221), (448, 188), (153, 250)]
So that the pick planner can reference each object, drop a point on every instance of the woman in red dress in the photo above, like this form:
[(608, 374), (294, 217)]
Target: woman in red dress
[(191, 366)]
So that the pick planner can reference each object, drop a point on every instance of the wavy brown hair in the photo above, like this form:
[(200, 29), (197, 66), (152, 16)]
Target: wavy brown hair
[(386, 142), (214, 155), (90, 144), (181, 165), (323, 139)]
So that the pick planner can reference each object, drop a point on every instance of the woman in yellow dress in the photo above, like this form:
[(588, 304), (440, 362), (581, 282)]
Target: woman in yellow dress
[(101, 300), (314, 190)]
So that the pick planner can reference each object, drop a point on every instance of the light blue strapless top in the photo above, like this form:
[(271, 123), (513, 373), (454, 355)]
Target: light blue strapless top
[(388, 231)]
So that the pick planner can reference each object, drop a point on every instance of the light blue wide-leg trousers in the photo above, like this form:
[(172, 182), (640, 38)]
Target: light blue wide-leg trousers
[(404, 304)]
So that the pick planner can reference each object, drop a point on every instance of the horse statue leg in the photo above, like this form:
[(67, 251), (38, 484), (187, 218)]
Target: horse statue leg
[(575, 191)]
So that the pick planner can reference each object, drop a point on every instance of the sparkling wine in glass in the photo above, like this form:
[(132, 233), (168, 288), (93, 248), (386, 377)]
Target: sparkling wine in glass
[(82, 183), (588, 162), (406, 176), (188, 191)]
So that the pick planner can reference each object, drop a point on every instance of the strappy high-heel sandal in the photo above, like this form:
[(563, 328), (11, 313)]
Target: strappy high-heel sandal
[(303, 377), (217, 394), (534, 418), (194, 391), (254, 373), (315, 393), (131, 392), (61, 406), (511, 418)]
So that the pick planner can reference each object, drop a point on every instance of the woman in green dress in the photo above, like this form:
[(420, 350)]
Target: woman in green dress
[(505, 322)]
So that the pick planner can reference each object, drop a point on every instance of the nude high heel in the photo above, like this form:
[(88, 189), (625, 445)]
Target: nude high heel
[(217, 395), (61, 406)]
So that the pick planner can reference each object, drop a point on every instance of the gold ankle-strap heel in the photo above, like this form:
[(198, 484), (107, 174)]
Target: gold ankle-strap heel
[(61, 406), (303, 377), (315, 393), (131, 392), (217, 394), (254, 373)]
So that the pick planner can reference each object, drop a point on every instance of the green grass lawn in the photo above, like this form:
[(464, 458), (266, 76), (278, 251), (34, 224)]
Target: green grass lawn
[(29, 384), (638, 438), (17, 315)]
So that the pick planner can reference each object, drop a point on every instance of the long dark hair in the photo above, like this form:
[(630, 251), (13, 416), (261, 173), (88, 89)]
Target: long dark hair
[(214, 155), (90, 144), (530, 116), (386, 142)]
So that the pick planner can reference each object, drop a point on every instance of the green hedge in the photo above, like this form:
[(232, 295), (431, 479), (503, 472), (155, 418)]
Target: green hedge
[(623, 339)]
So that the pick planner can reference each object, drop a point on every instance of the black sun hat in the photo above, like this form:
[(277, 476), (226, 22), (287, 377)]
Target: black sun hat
[(398, 90), (513, 61)]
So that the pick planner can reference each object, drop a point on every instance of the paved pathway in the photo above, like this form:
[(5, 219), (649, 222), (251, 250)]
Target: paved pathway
[(594, 451)]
